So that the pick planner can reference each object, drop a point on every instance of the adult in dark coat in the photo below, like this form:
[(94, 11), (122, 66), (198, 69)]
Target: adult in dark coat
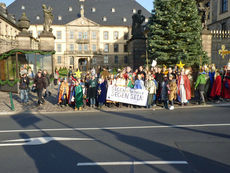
[(40, 84)]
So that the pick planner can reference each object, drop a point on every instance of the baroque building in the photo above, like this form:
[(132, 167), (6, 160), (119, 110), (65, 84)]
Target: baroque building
[(88, 32)]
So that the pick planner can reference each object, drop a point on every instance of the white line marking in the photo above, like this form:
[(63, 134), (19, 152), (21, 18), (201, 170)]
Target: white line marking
[(40, 141), (133, 163), (115, 128)]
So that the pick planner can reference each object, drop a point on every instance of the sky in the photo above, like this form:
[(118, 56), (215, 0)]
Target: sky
[(148, 4)]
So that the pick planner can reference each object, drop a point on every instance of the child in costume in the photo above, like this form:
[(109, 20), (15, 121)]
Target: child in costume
[(130, 81), (63, 93), (216, 89), (184, 89), (172, 91), (226, 83), (71, 93), (78, 96)]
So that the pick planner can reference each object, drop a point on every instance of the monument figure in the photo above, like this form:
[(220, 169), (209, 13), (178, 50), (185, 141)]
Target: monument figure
[(137, 28), (48, 19)]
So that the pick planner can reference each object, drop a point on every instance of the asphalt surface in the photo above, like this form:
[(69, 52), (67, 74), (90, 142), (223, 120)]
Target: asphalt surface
[(180, 141)]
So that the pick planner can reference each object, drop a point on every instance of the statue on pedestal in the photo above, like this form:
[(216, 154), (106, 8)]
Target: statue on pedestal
[(48, 19), (137, 28)]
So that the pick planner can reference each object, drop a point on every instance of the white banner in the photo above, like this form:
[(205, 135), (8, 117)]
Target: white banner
[(127, 95)]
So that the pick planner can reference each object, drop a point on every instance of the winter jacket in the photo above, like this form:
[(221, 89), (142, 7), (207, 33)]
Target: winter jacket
[(24, 83), (201, 80)]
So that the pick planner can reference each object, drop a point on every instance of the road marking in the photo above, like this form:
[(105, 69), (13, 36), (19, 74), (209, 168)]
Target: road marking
[(133, 163), (40, 141), (115, 128)]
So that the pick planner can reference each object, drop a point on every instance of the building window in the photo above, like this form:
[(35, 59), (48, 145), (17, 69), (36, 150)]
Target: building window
[(94, 35), (71, 47), (113, 10), (126, 36), (116, 35), (125, 48), (59, 48), (85, 35), (126, 59), (104, 19), (116, 47), (106, 35), (71, 60), (59, 34), (59, 59), (224, 26), (86, 47), (71, 35), (134, 11), (106, 48), (80, 35), (80, 47), (38, 17), (59, 18), (94, 47), (93, 9), (124, 19), (116, 59), (70, 9), (94, 60), (23, 7), (39, 32), (106, 59), (224, 6)]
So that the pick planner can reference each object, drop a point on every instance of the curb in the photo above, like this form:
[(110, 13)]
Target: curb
[(114, 110)]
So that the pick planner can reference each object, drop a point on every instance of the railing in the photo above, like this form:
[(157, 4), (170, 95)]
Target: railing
[(220, 33), (82, 41), (89, 52)]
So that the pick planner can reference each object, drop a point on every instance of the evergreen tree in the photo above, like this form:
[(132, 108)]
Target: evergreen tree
[(175, 33)]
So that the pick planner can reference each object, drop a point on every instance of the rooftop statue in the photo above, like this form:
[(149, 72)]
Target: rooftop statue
[(48, 19)]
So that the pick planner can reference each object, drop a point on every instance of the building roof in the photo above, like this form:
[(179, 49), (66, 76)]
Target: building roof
[(116, 12), (7, 17)]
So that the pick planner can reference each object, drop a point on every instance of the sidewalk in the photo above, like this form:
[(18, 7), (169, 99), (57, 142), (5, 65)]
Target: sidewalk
[(51, 105)]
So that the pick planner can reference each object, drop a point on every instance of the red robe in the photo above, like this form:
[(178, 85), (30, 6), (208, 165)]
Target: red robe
[(186, 86), (216, 89), (226, 91)]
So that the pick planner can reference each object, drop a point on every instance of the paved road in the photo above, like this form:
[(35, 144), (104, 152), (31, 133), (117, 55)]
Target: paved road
[(182, 141)]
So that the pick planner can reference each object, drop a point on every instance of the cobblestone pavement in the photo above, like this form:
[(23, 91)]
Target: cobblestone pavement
[(51, 104)]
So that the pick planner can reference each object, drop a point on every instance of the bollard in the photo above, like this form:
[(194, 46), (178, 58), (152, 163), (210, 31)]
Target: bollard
[(12, 103)]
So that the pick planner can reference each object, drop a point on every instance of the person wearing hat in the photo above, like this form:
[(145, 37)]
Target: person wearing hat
[(226, 83), (24, 86)]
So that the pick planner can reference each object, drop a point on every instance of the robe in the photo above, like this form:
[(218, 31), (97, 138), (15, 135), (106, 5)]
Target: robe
[(226, 86), (186, 85), (216, 89), (63, 87), (78, 96)]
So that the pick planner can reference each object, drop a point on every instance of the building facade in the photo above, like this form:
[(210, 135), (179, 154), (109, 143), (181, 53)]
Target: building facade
[(219, 17), (88, 32), (8, 30)]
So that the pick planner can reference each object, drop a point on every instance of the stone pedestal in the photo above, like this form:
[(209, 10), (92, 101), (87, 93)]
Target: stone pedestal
[(207, 42), (137, 52), (24, 41), (46, 41)]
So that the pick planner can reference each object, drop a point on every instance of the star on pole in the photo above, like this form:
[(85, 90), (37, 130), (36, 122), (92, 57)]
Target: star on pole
[(180, 65), (78, 74)]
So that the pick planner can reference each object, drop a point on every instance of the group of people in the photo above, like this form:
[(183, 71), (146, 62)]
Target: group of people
[(164, 85)]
